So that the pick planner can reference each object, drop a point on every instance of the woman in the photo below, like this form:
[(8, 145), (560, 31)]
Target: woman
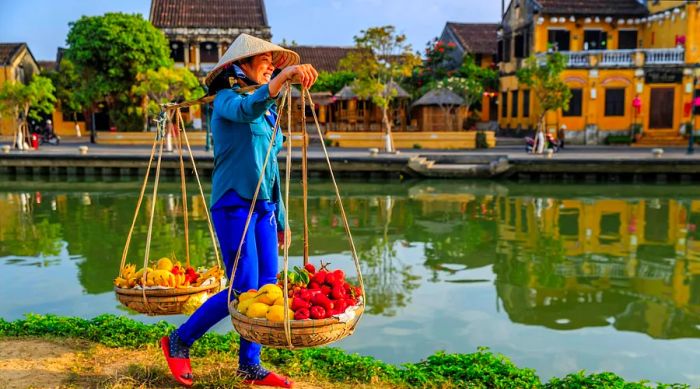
[(242, 125)]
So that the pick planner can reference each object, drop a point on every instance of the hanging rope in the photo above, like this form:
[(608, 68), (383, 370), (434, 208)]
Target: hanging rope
[(304, 176), (337, 194), (183, 187)]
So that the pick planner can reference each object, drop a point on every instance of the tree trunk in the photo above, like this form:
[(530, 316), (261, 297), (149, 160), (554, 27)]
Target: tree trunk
[(77, 126), (388, 140), (539, 137)]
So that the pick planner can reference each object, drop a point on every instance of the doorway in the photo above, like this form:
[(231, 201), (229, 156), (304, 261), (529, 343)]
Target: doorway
[(661, 108)]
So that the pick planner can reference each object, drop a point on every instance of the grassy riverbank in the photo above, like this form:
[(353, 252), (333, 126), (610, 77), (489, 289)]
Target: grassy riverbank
[(131, 347)]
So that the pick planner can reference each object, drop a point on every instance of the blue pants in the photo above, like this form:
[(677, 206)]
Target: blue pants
[(257, 265)]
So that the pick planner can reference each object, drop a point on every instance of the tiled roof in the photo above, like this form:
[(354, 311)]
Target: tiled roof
[(47, 65), (8, 51), (593, 7), (476, 38), (208, 13), (323, 58)]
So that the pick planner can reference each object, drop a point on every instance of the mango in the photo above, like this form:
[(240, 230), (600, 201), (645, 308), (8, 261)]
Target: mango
[(276, 314), (244, 305), (257, 310), (164, 264), (268, 294)]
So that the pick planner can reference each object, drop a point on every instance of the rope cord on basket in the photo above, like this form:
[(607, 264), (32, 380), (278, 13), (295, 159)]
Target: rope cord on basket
[(138, 204), (255, 197), (161, 135), (201, 191), (287, 179), (337, 193), (305, 177), (183, 187)]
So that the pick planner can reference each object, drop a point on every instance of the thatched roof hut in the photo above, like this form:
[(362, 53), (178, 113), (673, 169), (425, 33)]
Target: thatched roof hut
[(345, 93), (439, 110), (442, 97)]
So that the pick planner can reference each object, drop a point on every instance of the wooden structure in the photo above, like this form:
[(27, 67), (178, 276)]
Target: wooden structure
[(439, 110), (351, 113)]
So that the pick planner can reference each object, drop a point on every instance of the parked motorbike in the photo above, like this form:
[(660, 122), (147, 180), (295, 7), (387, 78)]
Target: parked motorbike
[(551, 143)]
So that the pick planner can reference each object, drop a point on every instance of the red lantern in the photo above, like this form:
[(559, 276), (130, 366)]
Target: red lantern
[(637, 104), (687, 107)]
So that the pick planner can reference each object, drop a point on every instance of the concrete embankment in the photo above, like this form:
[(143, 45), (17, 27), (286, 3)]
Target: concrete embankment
[(605, 164)]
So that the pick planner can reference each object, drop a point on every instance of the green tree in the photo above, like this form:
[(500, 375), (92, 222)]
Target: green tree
[(439, 63), (383, 57), (545, 83), (109, 51), (155, 87), (333, 81), (470, 82), (66, 80), (26, 101)]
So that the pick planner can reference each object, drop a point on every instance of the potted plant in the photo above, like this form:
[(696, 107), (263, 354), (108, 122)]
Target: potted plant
[(636, 130)]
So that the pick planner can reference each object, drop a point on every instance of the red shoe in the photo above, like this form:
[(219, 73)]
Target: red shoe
[(179, 367), (272, 379)]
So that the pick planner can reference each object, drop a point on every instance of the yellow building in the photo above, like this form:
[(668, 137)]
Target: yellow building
[(621, 54), (17, 64)]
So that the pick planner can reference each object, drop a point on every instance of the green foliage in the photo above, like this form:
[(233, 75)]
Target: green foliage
[(439, 63), (32, 100), (481, 142), (544, 80), (481, 369), (383, 56), (66, 79), (333, 81), (165, 85), (618, 140), (109, 52)]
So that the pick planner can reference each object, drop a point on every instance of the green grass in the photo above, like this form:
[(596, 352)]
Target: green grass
[(481, 369)]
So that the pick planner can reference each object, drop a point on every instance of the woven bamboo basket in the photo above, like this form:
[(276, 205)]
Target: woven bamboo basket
[(162, 301), (304, 333)]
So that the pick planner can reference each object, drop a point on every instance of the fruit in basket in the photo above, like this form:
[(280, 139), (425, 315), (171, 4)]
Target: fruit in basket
[(317, 312), (268, 294), (244, 305), (214, 272), (276, 314), (249, 295), (164, 264), (257, 310), (280, 301), (302, 314)]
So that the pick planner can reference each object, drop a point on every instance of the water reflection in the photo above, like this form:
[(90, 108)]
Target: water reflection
[(561, 256)]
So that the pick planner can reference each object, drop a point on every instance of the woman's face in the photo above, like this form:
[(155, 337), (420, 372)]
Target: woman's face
[(260, 68)]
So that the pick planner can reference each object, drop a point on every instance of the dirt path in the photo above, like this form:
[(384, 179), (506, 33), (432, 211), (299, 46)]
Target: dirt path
[(40, 363)]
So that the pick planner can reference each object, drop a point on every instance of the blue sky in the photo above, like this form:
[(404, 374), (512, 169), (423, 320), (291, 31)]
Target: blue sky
[(44, 25)]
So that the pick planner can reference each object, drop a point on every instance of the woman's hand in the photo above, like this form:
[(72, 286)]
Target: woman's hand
[(304, 74), (280, 239)]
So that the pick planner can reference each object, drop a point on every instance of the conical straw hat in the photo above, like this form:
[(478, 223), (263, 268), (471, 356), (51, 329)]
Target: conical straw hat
[(247, 46)]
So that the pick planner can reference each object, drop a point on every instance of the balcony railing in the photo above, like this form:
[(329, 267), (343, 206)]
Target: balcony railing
[(621, 58), (665, 56)]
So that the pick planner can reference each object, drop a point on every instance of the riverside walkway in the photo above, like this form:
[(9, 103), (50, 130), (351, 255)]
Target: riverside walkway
[(589, 163)]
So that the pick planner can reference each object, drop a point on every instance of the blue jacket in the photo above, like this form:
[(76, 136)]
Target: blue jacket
[(241, 128)]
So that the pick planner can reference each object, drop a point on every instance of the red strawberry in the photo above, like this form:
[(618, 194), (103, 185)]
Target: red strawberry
[(319, 277), (331, 278), (298, 303), (313, 285), (310, 268), (323, 301), (305, 294), (317, 312), (326, 290), (338, 293), (340, 306), (302, 314)]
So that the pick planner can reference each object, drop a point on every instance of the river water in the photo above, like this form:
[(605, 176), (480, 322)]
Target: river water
[(558, 277)]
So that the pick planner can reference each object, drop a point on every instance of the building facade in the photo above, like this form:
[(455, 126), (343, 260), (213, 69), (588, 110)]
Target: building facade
[(480, 41), (17, 64), (630, 65)]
